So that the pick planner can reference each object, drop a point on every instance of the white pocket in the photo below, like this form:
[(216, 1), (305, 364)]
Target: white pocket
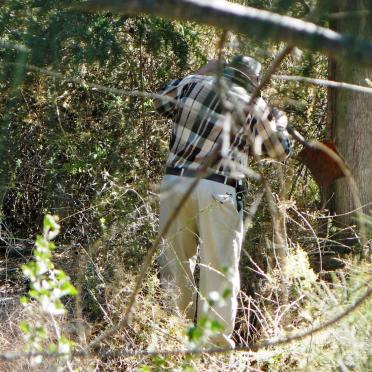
[(223, 198), (227, 202)]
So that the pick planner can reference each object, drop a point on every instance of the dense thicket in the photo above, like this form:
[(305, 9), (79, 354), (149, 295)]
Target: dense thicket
[(94, 157), (91, 157), (61, 140)]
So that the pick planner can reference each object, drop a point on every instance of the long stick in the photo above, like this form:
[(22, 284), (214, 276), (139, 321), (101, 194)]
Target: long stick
[(257, 23)]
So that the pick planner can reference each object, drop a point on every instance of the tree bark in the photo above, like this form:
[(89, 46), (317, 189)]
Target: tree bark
[(350, 116)]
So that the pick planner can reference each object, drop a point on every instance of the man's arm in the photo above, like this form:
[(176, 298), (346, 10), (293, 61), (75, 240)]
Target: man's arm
[(167, 104)]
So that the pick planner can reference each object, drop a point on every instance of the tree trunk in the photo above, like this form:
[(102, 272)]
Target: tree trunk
[(350, 114)]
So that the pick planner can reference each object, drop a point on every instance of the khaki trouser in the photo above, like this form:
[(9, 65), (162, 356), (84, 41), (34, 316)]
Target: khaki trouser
[(208, 220)]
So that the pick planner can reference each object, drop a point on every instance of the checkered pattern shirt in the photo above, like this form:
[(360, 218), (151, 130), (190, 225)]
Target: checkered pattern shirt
[(193, 105)]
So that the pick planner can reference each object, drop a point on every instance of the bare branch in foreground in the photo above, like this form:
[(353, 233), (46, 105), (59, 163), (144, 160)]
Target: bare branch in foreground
[(260, 24), (326, 83), (84, 83)]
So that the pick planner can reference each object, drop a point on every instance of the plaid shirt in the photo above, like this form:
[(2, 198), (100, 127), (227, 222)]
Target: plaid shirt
[(199, 119)]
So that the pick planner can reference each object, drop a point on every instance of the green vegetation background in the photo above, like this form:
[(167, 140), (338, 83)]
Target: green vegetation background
[(94, 159)]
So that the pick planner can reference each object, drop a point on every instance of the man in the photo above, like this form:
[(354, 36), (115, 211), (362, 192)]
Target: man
[(209, 113)]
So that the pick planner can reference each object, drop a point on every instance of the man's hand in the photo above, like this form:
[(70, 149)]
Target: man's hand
[(280, 118)]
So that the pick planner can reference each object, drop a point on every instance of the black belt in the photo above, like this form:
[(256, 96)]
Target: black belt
[(183, 172)]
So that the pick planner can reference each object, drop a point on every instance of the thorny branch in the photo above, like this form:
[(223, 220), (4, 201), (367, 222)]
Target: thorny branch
[(84, 83), (139, 93)]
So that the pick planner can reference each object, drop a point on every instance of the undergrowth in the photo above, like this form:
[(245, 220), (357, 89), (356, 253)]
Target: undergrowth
[(94, 158), (105, 275)]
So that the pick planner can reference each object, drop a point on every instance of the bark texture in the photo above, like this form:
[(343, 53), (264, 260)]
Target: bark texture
[(350, 115)]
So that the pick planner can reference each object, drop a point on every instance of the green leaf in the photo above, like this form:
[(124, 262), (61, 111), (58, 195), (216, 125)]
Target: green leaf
[(215, 326), (24, 300), (34, 294), (158, 361), (202, 323), (24, 327), (41, 243), (61, 275), (144, 368), (41, 332), (51, 227), (226, 293), (50, 222), (52, 348), (225, 269), (194, 334), (68, 289), (187, 368)]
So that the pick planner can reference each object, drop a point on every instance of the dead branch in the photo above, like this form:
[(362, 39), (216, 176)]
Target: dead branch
[(326, 83), (257, 23)]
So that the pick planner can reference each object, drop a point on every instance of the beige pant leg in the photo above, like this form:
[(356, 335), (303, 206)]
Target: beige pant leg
[(221, 236), (177, 259)]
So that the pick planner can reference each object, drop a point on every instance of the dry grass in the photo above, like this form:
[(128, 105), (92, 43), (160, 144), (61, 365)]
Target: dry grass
[(155, 327), (105, 274)]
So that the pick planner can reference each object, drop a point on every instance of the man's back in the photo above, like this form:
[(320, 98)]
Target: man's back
[(194, 105)]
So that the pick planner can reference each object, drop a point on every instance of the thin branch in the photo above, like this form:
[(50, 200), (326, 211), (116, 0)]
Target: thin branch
[(355, 13), (346, 213), (257, 23), (274, 66), (96, 87), (137, 93), (326, 83), (12, 46), (93, 86)]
